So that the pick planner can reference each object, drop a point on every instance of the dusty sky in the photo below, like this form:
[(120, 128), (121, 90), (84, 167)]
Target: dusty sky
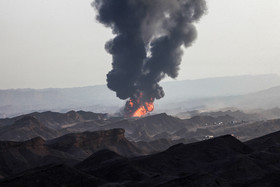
[(58, 43)]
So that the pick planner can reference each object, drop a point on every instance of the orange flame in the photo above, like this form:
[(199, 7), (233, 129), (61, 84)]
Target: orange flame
[(144, 109), (136, 107), (130, 103)]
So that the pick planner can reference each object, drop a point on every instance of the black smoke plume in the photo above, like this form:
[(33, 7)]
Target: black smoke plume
[(148, 43)]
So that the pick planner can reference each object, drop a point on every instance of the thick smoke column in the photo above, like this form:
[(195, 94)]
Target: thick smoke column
[(147, 46)]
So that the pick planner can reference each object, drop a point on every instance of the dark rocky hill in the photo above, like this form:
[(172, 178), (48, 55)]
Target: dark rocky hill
[(61, 120), (52, 175), (71, 148), (269, 141), (143, 129), (160, 144), (6, 121), (58, 120), (222, 161), (19, 156), (49, 125), (82, 145), (26, 128)]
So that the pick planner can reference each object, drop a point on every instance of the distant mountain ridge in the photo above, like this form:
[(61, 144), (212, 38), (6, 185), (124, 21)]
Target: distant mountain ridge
[(100, 99), (265, 99)]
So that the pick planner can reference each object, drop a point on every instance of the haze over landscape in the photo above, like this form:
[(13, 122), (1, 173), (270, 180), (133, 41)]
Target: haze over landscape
[(59, 44), (214, 122)]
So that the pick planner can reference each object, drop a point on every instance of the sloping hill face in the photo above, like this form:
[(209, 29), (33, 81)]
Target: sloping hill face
[(198, 127), (58, 120), (222, 161), (162, 125), (52, 175), (26, 128), (71, 148), (270, 141), (6, 121), (180, 157), (143, 129), (159, 145), (82, 145), (61, 120), (49, 125), (99, 158), (19, 156)]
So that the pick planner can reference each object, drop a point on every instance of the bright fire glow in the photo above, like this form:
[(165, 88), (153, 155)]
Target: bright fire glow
[(136, 107), (130, 103), (141, 111)]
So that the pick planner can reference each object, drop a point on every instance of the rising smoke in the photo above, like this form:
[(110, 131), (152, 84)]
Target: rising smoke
[(148, 43)]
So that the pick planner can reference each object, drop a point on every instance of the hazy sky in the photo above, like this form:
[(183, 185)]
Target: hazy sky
[(58, 43)]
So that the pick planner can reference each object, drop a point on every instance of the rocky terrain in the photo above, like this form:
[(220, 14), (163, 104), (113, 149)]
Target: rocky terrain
[(69, 149), (221, 161), (90, 149), (199, 126), (47, 125), (20, 156), (82, 145), (26, 128)]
